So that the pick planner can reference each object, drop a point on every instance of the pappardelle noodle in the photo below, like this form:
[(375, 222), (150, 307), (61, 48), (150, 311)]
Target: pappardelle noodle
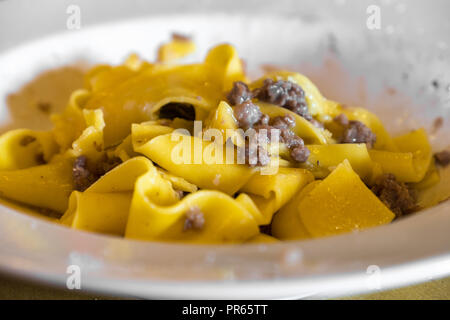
[(108, 164)]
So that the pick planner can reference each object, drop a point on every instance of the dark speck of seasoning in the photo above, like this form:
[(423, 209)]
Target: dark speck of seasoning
[(45, 107), (435, 84)]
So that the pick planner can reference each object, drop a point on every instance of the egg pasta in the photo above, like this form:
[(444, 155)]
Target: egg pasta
[(126, 157)]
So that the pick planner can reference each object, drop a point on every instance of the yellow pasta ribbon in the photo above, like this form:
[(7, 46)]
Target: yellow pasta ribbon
[(175, 49), (225, 66), (168, 152), (303, 128), (271, 192), (412, 162), (222, 119), (98, 212), (105, 205), (325, 158), (384, 140), (341, 203), (90, 142), (70, 124), (24, 148), (287, 224), (46, 186), (142, 96)]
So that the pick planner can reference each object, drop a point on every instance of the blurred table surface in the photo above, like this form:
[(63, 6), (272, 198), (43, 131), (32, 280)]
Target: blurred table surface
[(19, 289)]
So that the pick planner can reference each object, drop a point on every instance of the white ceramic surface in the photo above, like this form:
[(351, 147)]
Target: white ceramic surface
[(391, 71)]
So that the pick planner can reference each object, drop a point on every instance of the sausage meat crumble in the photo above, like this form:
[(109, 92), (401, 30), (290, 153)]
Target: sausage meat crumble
[(395, 195), (239, 93), (285, 94), (355, 131)]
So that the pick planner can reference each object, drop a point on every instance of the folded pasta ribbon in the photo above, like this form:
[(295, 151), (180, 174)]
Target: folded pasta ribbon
[(271, 192), (412, 161), (45, 186), (24, 148), (338, 204), (105, 205), (195, 160), (142, 95), (156, 215)]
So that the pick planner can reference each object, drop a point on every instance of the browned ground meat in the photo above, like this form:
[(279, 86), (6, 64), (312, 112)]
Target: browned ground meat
[(194, 219), (247, 114), (26, 140), (285, 94), (239, 93), (82, 176), (442, 158), (342, 119), (300, 154), (358, 132), (395, 195), (298, 151), (85, 175), (285, 122)]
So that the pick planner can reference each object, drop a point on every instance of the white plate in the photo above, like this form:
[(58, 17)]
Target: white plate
[(390, 71)]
